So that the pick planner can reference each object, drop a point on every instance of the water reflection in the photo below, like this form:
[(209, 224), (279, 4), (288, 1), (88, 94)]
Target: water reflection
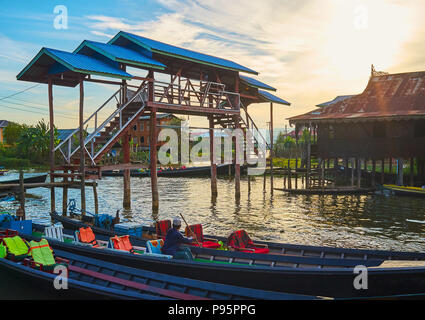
[(346, 221)]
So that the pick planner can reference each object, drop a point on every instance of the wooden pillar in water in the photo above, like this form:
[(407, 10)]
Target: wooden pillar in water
[(271, 147), (352, 172), (214, 191), (22, 195), (400, 174), (359, 173), (96, 200), (82, 150), (346, 168), (307, 177), (412, 172), (237, 162), (65, 196), (382, 171), (126, 160), (126, 153), (373, 172), (390, 169), (51, 145), (153, 137)]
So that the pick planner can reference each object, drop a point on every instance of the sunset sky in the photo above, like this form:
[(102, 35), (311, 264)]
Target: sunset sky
[(310, 50)]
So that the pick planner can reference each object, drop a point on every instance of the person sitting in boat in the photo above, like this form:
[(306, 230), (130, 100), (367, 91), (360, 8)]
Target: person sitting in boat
[(173, 241)]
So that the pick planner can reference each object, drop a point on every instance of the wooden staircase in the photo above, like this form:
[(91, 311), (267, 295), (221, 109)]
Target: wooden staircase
[(104, 136)]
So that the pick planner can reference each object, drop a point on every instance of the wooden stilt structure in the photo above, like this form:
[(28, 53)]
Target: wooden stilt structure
[(82, 149)]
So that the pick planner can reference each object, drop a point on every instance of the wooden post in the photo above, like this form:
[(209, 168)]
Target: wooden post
[(126, 153), (52, 145), (237, 164), (96, 200), (214, 191), (322, 176), (412, 172), (307, 177), (82, 151), (22, 194), (359, 173), (65, 196), (390, 169), (271, 147), (373, 172), (352, 172), (153, 137), (250, 141), (126, 160), (400, 181), (346, 168), (382, 171)]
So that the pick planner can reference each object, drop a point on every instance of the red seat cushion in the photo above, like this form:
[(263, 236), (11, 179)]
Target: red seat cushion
[(210, 244)]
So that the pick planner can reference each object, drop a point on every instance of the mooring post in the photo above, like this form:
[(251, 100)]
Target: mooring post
[(22, 194), (400, 181), (82, 152), (359, 172), (352, 172), (126, 152), (214, 191), (238, 152), (65, 195), (52, 145), (382, 171), (271, 147), (96, 200), (126, 175)]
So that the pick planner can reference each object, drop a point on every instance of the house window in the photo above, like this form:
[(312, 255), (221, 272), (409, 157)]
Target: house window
[(142, 139), (141, 126), (379, 130), (135, 127)]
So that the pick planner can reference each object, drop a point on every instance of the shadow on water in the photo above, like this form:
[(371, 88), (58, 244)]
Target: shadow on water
[(361, 221)]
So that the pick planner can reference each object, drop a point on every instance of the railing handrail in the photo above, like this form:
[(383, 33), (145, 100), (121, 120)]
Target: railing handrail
[(87, 120)]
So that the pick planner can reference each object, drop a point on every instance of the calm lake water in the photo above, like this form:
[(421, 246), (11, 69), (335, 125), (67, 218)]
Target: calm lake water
[(375, 221)]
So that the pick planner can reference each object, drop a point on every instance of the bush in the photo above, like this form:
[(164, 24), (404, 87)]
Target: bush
[(14, 163)]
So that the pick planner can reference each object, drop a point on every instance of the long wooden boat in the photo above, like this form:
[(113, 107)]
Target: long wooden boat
[(33, 179), (284, 273), (91, 278), (186, 172), (274, 247), (405, 191)]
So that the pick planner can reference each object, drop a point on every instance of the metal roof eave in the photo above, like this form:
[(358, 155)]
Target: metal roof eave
[(117, 59), (130, 38), (256, 83), (68, 66), (272, 98)]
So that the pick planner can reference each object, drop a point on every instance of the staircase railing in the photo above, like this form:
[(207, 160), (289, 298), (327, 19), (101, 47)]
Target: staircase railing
[(141, 93)]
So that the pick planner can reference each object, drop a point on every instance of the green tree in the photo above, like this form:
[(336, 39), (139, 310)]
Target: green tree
[(13, 131)]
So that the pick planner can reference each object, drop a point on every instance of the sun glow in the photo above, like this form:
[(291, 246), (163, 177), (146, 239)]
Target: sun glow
[(366, 32)]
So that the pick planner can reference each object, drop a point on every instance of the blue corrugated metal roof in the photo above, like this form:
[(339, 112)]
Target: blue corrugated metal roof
[(74, 62), (118, 53), (272, 98), (64, 133), (256, 83), (80, 62), (337, 99), (163, 48)]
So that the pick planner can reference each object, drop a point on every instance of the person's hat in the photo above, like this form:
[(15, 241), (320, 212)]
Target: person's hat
[(177, 222)]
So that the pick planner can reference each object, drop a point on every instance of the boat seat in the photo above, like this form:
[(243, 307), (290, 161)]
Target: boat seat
[(162, 228), (16, 248), (121, 243), (42, 256), (86, 236), (198, 232), (54, 232), (154, 249), (240, 241)]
